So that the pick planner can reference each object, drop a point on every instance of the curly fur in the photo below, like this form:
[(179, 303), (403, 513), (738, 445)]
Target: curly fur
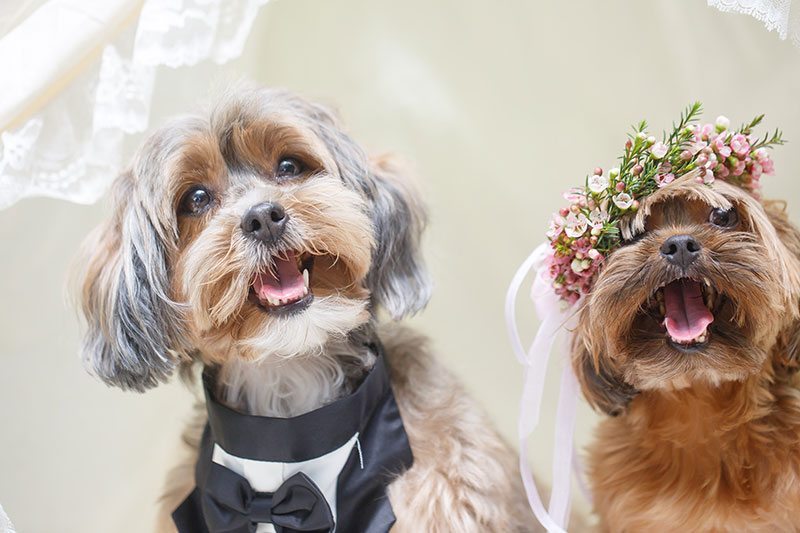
[(165, 290), (709, 440)]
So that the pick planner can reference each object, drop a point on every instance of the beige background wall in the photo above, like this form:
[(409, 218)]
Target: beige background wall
[(499, 106)]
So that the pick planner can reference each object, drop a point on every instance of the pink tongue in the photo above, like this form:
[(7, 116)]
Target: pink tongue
[(287, 284), (687, 316)]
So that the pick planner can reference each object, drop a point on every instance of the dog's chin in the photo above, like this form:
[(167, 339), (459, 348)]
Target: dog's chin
[(302, 328), (299, 304)]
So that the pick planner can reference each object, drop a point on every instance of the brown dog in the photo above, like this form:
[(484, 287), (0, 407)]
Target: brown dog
[(705, 434), (261, 244)]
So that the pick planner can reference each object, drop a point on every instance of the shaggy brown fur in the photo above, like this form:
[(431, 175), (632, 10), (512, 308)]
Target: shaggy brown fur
[(166, 287), (705, 439)]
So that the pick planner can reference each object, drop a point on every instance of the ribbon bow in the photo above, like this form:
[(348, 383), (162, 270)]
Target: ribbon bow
[(554, 319), (230, 505)]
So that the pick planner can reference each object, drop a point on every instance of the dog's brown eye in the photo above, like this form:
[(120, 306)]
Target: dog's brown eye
[(195, 201), (288, 168), (724, 218)]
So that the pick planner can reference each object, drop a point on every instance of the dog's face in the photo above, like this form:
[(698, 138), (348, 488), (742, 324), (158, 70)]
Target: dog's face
[(262, 232), (704, 289)]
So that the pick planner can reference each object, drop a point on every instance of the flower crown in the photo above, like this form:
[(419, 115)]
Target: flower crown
[(585, 233)]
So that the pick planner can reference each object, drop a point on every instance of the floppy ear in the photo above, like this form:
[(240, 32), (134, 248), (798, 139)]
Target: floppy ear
[(397, 279), (787, 350), (132, 324), (603, 387)]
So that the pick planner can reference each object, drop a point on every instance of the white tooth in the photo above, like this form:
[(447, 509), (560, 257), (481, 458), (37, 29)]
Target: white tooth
[(662, 308), (305, 276), (273, 301), (708, 281)]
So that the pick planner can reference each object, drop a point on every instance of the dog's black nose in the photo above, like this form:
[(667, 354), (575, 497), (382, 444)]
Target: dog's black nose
[(264, 222), (681, 250)]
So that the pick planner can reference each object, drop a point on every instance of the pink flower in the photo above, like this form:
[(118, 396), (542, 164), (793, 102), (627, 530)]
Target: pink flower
[(739, 144), (761, 154), (756, 170), (720, 147), (556, 226), (623, 200), (738, 170), (598, 183), (721, 172), (659, 150), (706, 131), (664, 179), (572, 297), (696, 147), (582, 246), (598, 218), (767, 165), (574, 195), (579, 265), (576, 225)]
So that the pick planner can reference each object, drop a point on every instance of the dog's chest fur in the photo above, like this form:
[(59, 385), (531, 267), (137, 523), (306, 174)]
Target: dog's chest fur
[(297, 385), (719, 459)]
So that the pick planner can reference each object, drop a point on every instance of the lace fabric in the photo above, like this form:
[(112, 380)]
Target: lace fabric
[(73, 146), (5, 524), (776, 15)]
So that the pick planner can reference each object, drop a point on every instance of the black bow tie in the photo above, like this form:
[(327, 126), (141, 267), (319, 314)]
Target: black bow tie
[(231, 505)]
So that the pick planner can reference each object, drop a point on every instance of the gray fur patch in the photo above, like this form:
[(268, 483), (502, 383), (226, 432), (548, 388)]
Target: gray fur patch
[(130, 347), (398, 279)]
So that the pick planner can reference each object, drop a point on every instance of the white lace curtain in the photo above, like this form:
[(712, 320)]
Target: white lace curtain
[(5, 524), (76, 77), (777, 15)]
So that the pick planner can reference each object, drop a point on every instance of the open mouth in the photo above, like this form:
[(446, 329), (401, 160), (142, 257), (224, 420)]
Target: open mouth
[(286, 289), (686, 308)]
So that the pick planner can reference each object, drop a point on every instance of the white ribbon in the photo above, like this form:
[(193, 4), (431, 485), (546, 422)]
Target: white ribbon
[(554, 318)]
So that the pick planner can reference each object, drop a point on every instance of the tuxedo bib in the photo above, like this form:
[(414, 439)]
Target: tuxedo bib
[(324, 471)]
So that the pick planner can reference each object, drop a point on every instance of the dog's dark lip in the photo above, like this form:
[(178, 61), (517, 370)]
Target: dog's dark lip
[(693, 347), (289, 309)]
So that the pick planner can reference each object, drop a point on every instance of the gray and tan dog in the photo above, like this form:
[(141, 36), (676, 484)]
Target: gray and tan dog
[(262, 242)]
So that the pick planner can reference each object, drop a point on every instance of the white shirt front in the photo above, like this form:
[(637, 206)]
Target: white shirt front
[(267, 476)]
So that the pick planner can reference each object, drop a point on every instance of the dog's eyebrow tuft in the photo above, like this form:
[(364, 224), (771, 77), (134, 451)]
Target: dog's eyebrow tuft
[(720, 195), (633, 239)]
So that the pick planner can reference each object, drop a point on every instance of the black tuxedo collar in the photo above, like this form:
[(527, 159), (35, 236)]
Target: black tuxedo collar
[(302, 437), (368, 418)]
